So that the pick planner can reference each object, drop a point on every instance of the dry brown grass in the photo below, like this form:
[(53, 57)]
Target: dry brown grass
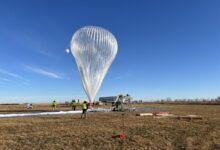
[(95, 132)]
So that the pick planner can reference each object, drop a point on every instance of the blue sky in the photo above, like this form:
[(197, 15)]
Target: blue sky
[(166, 48)]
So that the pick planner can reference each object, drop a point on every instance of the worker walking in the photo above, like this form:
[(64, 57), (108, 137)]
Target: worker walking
[(84, 110), (73, 104), (54, 105)]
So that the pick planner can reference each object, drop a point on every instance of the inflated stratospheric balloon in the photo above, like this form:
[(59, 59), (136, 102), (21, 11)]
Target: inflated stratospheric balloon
[(94, 49)]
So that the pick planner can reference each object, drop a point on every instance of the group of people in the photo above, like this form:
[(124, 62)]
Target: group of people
[(84, 106)]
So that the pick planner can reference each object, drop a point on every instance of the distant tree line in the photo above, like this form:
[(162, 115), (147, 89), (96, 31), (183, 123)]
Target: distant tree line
[(213, 101)]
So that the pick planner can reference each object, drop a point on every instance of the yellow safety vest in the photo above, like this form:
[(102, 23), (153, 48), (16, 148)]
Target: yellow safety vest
[(84, 106), (54, 104)]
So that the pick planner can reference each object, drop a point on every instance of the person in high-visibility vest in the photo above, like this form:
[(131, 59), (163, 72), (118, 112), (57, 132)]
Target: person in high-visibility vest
[(73, 104), (84, 109), (54, 105)]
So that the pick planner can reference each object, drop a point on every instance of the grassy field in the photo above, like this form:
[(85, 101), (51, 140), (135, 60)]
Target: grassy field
[(95, 132)]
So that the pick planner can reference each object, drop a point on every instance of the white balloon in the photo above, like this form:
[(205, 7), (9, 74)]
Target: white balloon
[(94, 49), (67, 50)]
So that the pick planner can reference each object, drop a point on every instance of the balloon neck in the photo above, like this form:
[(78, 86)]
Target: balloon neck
[(90, 105)]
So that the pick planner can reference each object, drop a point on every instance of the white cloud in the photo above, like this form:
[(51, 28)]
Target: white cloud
[(12, 77), (44, 72), (30, 40), (5, 72), (5, 79)]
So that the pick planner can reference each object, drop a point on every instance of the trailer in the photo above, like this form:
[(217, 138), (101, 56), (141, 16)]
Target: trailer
[(119, 103)]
